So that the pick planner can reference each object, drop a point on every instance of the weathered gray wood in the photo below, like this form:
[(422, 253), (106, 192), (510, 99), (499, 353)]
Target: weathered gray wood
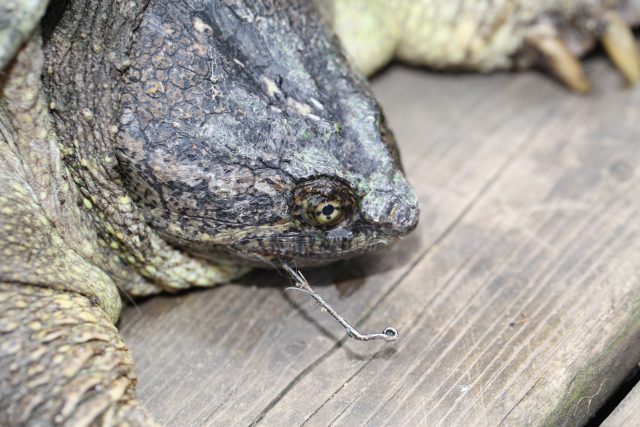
[(516, 298), (627, 414)]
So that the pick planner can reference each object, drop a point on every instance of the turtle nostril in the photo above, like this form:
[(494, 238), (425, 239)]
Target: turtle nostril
[(397, 216), (405, 218), (392, 205)]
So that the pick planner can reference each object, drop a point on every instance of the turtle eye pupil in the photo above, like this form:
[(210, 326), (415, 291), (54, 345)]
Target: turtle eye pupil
[(328, 213), (323, 213)]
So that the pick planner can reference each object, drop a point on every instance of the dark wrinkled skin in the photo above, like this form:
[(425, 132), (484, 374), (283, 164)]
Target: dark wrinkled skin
[(228, 109)]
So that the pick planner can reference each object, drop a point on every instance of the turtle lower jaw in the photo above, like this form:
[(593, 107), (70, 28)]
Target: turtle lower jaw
[(313, 260), (294, 245), (313, 253), (307, 252)]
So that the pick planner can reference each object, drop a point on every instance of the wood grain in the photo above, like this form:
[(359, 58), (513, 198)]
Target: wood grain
[(517, 298), (627, 414)]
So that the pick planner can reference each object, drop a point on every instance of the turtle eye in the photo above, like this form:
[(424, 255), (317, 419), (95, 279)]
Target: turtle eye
[(324, 202), (325, 213)]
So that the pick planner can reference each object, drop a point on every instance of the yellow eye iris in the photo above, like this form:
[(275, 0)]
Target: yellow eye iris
[(322, 212), (324, 203), (328, 213)]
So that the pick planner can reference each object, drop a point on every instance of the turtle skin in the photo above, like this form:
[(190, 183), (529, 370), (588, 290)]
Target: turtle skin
[(76, 232)]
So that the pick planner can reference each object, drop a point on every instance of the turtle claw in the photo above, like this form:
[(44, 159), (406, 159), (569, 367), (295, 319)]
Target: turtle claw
[(560, 52), (560, 60), (620, 44)]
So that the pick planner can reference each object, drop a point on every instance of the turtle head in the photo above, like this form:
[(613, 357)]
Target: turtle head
[(246, 136)]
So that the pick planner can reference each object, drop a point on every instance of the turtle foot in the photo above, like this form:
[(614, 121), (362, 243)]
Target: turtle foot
[(62, 362), (558, 48)]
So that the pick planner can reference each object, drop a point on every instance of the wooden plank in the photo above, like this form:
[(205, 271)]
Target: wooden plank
[(627, 414), (516, 297)]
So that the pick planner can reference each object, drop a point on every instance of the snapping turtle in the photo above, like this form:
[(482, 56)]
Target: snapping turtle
[(156, 146), (159, 146)]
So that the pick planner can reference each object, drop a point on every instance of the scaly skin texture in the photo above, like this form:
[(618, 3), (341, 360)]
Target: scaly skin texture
[(63, 362), (85, 62), (61, 359)]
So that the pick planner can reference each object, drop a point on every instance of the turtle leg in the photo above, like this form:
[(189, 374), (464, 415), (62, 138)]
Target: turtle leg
[(62, 362), (367, 30), (487, 36), (559, 46)]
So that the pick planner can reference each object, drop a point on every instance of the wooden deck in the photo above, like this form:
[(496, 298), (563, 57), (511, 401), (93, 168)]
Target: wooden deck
[(627, 413), (517, 298)]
